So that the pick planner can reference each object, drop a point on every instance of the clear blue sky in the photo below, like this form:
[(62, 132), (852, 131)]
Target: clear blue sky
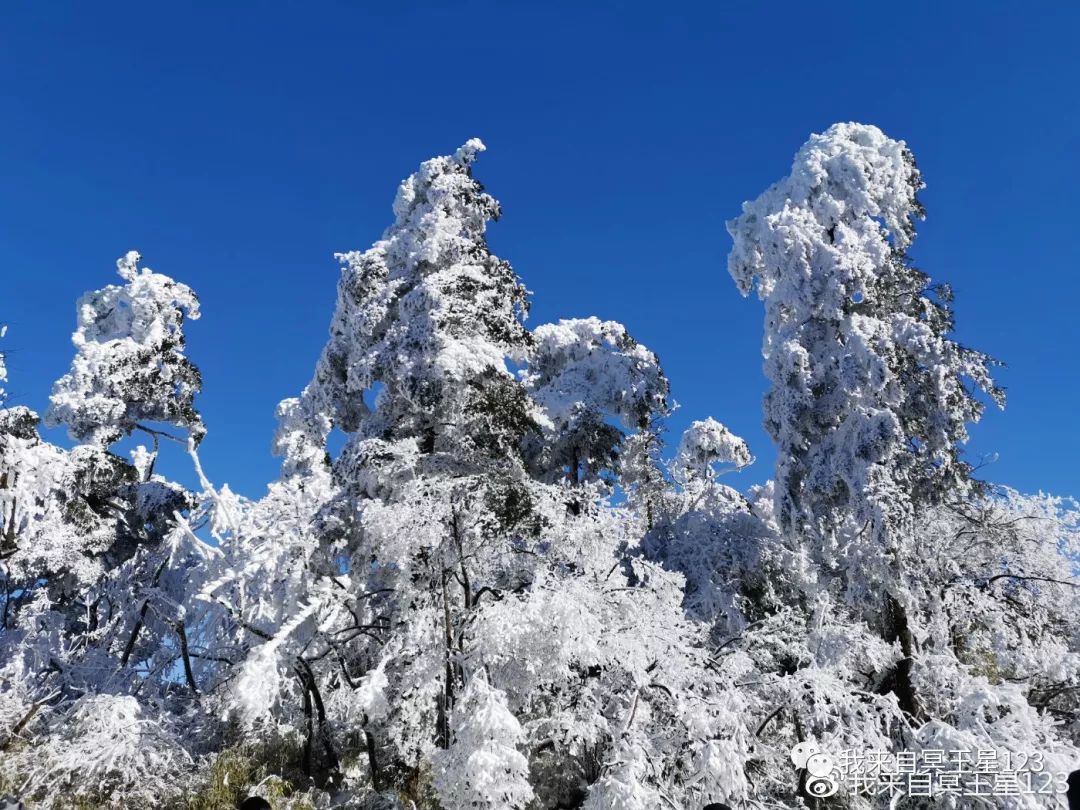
[(238, 146)]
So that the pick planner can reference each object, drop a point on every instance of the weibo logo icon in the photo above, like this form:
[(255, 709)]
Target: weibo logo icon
[(823, 779)]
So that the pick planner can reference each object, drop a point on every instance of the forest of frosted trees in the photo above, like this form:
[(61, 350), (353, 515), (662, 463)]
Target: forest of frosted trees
[(505, 591)]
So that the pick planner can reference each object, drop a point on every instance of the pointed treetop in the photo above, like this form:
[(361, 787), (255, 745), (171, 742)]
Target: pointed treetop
[(427, 317)]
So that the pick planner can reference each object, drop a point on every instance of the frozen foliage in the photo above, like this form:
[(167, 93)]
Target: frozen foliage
[(424, 322), (502, 592), (705, 445), (107, 745), (590, 378), (869, 406), (129, 365), (482, 767), (870, 397), (93, 567), (625, 785)]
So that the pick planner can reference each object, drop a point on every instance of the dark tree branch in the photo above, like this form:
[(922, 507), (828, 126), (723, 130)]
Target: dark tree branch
[(156, 433), (307, 677), (768, 720), (130, 646), (181, 632)]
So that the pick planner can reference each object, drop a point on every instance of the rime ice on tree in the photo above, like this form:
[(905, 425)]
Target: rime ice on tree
[(454, 609), (870, 396), (130, 365)]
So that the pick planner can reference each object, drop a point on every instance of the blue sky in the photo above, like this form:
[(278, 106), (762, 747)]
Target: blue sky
[(238, 146)]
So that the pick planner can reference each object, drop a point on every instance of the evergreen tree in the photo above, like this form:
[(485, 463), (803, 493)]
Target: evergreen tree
[(871, 395), (425, 320), (130, 365), (500, 593), (869, 404), (455, 529), (93, 559)]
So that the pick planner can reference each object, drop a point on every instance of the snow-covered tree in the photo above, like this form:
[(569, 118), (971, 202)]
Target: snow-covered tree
[(710, 532), (415, 372), (130, 366), (424, 322), (482, 767), (869, 404), (593, 383), (705, 446), (92, 558), (502, 592), (871, 395), (454, 531)]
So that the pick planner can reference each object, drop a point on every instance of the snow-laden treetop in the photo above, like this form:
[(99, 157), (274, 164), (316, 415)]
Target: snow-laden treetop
[(704, 446), (586, 363), (129, 365), (851, 193), (427, 316)]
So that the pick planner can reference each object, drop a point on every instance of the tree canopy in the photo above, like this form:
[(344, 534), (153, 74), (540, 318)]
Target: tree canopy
[(501, 590)]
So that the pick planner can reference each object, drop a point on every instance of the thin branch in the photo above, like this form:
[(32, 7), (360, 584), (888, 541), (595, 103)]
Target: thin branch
[(162, 434), (996, 577), (185, 655), (130, 646), (25, 720), (768, 720)]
